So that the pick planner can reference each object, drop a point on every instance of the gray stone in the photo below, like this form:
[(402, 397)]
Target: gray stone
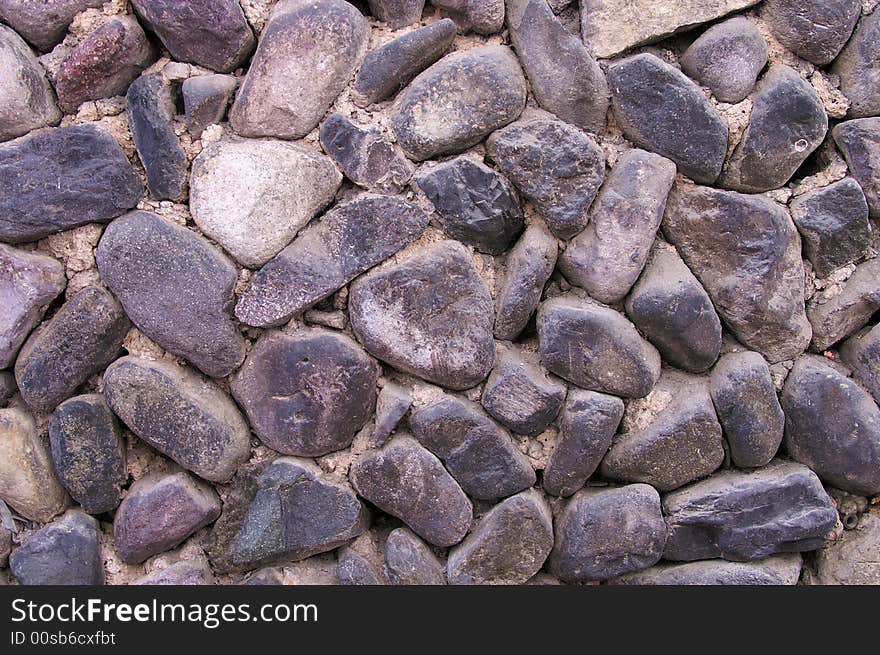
[(353, 569), (205, 100), (175, 287), (859, 141), (777, 570), (5, 546), (858, 68), (816, 30), (855, 559), (861, 352), (662, 110), (835, 317), (409, 561), (41, 25), (7, 387), (26, 97), (269, 576), (180, 414), (183, 573), (554, 165), (392, 403), (397, 13), (480, 16), (65, 552)]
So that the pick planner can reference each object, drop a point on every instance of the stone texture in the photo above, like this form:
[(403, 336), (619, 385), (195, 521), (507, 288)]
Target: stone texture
[(813, 29), (397, 13), (858, 68), (26, 97), (65, 552), (42, 26), (269, 576), (480, 16), (392, 403), (861, 353), (838, 316), (859, 141), (409, 561), (354, 569), (855, 559), (7, 387), (205, 100), (776, 570), (182, 573)]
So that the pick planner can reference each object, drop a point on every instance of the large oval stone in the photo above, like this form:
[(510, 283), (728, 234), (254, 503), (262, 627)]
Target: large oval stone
[(26, 97), (65, 552), (813, 29), (858, 67), (41, 27)]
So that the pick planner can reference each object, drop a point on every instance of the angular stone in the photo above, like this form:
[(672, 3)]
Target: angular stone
[(458, 101), (838, 316), (252, 197), (180, 414), (405, 480), (366, 157), (586, 428), (27, 479), (748, 515), (348, 240), (596, 348), (603, 533), (55, 180), (776, 570), (855, 559), (104, 64), (859, 141), (813, 29), (430, 315), (564, 78), (607, 257), (82, 338), (40, 24), (409, 561), (553, 164), (480, 16), (861, 353), (205, 99), (727, 58), (745, 251), (88, 452), (210, 33), (475, 204), (662, 110), (397, 13), (175, 287), (392, 66), (65, 552), (747, 407), (355, 569), (26, 97), (181, 573), (478, 452), (29, 281), (787, 123), (160, 511), (392, 403), (527, 268), (7, 387), (858, 67), (308, 52)]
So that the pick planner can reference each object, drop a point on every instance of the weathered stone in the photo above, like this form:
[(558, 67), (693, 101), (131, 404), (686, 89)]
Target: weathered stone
[(5, 546), (65, 552), (748, 515), (88, 452), (392, 403), (268, 576), (787, 123), (480, 16), (475, 204), (747, 407), (564, 78), (350, 239), (855, 559), (430, 315), (586, 428), (526, 270), (861, 353), (553, 164), (777, 570), (205, 99), (858, 67), (183, 573), (838, 316), (662, 110), (859, 141), (58, 179), (210, 33), (252, 197), (308, 52), (727, 58), (307, 394), (596, 348), (608, 256), (26, 97), (175, 287), (604, 533), (41, 25), (83, 337), (813, 29), (458, 101), (180, 414), (397, 13), (392, 66), (159, 512), (746, 252), (7, 387), (407, 481), (355, 569), (409, 561)]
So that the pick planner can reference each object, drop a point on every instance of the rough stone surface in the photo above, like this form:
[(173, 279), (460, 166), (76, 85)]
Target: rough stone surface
[(397, 13), (355, 569), (392, 403), (859, 141), (65, 552), (7, 387), (26, 97), (858, 68), (861, 353), (855, 559), (777, 570), (839, 316), (480, 16), (205, 100), (813, 29), (179, 574), (42, 28), (409, 561)]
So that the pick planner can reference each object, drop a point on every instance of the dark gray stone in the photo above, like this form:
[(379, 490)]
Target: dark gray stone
[(183, 573), (205, 99), (8, 387), (352, 569), (776, 570), (25, 94), (861, 352), (858, 67), (813, 29), (840, 315), (65, 552), (409, 561), (859, 141), (41, 25), (397, 13), (392, 403)]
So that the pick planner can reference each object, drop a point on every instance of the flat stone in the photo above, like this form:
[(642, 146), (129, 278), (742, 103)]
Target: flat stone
[(777, 570), (26, 96), (603, 533), (727, 58), (478, 452), (564, 78), (480, 16), (41, 26), (405, 480), (88, 452), (392, 66), (183, 573), (855, 559), (308, 52), (347, 241), (526, 270), (861, 352), (353, 569), (662, 110), (858, 68), (747, 407), (596, 348), (159, 512), (748, 515), (838, 316), (429, 315), (252, 197), (65, 552), (833, 426), (397, 13), (555, 166), (787, 123), (859, 141), (392, 403), (459, 100), (815, 30), (82, 338), (475, 204), (180, 414), (409, 561), (8, 387), (58, 179), (671, 308), (307, 394), (175, 287), (745, 251), (210, 33), (586, 428), (607, 257), (205, 100)]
